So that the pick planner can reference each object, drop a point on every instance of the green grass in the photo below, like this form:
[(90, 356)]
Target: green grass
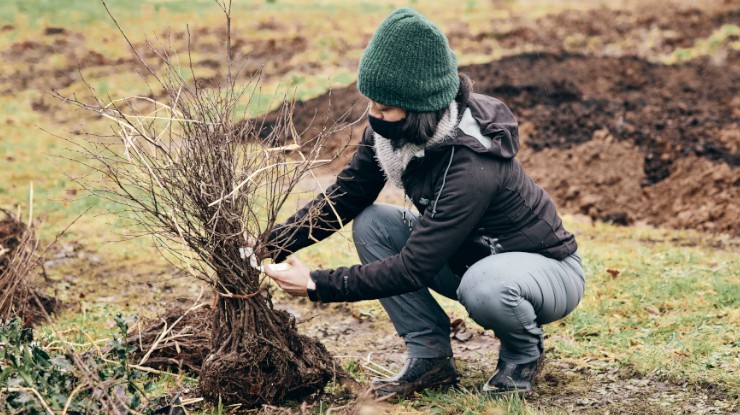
[(466, 402), (671, 308), (724, 37)]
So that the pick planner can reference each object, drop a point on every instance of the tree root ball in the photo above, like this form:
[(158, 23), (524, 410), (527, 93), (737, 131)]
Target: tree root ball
[(260, 370)]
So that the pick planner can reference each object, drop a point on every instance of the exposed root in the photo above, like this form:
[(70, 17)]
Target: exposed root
[(266, 363), (169, 344), (251, 365)]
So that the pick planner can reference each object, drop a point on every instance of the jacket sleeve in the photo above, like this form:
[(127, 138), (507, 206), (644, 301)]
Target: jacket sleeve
[(356, 187), (468, 186)]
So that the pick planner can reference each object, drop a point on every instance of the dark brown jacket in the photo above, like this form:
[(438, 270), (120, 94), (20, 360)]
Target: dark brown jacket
[(486, 192)]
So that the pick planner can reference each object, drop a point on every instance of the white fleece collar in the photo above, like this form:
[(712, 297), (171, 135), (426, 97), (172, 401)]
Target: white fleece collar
[(394, 161)]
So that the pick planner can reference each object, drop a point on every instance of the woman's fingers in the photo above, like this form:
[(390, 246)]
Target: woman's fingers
[(292, 276)]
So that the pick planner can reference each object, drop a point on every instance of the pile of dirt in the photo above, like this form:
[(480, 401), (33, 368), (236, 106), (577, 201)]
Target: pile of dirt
[(604, 179), (675, 118), (18, 262), (670, 112), (11, 236), (597, 178), (700, 195), (340, 113), (615, 138)]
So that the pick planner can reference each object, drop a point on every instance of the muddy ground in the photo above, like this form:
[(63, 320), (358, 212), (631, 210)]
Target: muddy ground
[(70, 48), (649, 31), (572, 386)]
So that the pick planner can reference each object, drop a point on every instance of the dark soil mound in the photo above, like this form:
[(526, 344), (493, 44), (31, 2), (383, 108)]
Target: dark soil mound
[(651, 123), (340, 107), (670, 112), (11, 235), (18, 261)]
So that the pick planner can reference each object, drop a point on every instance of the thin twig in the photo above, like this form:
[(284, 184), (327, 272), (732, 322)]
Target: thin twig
[(71, 396)]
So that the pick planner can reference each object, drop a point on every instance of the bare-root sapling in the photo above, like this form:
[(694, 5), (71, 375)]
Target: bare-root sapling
[(184, 174)]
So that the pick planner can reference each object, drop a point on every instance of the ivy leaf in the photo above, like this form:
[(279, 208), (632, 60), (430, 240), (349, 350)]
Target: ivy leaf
[(40, 356), (61, 362), (22, 398), (135, 401)]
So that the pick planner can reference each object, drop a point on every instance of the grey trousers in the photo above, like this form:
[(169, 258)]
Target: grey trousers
[(511, 293)]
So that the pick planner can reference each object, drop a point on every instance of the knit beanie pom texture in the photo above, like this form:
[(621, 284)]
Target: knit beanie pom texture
[(409, 64)]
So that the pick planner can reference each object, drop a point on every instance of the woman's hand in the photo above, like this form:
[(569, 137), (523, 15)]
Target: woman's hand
[(294, 280)]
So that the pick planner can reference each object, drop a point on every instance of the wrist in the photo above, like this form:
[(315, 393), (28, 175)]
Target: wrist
[(313, 295)]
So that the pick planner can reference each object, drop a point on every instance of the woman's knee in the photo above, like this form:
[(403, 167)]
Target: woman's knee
[(525, 286), (490, 299)]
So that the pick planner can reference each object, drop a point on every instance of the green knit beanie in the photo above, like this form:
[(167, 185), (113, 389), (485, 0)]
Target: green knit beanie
[(409, 64)]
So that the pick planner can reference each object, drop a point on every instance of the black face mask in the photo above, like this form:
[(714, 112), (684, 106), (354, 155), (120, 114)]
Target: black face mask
[(392, 130)]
